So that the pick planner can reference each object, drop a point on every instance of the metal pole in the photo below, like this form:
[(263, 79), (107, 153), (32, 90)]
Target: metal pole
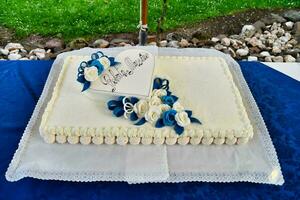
[(143, 23)]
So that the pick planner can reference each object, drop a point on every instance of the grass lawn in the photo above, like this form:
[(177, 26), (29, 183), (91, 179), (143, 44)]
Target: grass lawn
[(75, 18)]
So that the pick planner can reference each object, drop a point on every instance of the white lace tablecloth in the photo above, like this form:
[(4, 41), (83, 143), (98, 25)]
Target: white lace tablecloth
[(254, 162)]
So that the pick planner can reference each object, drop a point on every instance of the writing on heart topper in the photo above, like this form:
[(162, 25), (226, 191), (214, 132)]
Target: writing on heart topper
[(129, 73)]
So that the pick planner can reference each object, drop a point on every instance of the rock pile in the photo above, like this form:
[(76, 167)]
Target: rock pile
[(274, 38)]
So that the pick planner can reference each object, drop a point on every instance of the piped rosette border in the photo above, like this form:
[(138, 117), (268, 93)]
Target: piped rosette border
[(162, 109)]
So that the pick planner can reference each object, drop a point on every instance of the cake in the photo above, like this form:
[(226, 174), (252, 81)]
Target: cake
[(207, 107)]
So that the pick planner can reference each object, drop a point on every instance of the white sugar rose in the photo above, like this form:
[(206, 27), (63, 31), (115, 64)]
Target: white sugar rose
[(158, 93), (153, 114), (164, 107), (182, 119), (91, 73), (178, 107), (155, 101), (140, 108), (105, 62)]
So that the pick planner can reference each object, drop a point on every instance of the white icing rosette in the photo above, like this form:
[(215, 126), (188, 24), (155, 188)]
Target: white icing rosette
[(91, 73), (158, 93), (155, 101), (153, 114), (105, 62), (182, 119), (178, 107), (164, 107), (141, 107)]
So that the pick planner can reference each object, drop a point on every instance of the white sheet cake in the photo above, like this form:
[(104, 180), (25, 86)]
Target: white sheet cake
[(203, 84)]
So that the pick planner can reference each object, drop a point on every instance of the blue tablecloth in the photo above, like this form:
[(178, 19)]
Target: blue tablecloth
[(278, 97)]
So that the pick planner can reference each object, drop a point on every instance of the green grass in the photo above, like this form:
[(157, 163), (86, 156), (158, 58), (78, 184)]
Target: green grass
[(87, 18)]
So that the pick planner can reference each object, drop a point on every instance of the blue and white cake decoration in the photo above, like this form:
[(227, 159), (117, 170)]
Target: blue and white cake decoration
[(161, 109), (89, 71)]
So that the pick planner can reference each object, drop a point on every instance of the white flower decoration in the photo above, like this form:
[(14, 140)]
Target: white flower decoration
[(105, 62), (182, 119), (158, 93), (91, 73), (140, 108), (155, 101), (153, 114), (178, 107), (164, 107)]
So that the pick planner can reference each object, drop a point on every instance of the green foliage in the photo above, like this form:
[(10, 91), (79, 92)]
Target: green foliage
[(74, 18)]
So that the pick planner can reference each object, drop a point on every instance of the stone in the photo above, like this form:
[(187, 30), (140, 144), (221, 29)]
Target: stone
[(184, 43), (151, 44), (124, 44), (13, 46), (293, 15), (101, 43), (293, 52), (242, 52), (37, 50), (296, 29), (219, 47), (255, 42), (231, 52), (199, 34), (289, 25), (4, 52), (264, 54), (225, 41), (248, 31), (173, 43), (289, 58), (14, 56), (268, 59), (277, 59), (270, 19), (178, 36), (55, 44), (252, 58), (221, 36), (195, 41), (25, 58), (284, 39), (116, 41), (254, 50), (259, 26), (235, 37), (78, 43), (40, 55), (33, 58), (163, 43), (276, 50), (293, 42), (15, 51), (215, 39)]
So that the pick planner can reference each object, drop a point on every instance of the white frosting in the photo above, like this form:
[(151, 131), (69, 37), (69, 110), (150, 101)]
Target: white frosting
[(158, 140), (122, 140), (195, 140), (171, 140), (206, 87), (183, 140), (73, 139), (134, 140), (85, 140), (61, 139), (147, 140), (97, 140), (109, 140)]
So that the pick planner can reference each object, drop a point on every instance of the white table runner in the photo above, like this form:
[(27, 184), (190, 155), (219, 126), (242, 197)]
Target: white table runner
[(254, 162)]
